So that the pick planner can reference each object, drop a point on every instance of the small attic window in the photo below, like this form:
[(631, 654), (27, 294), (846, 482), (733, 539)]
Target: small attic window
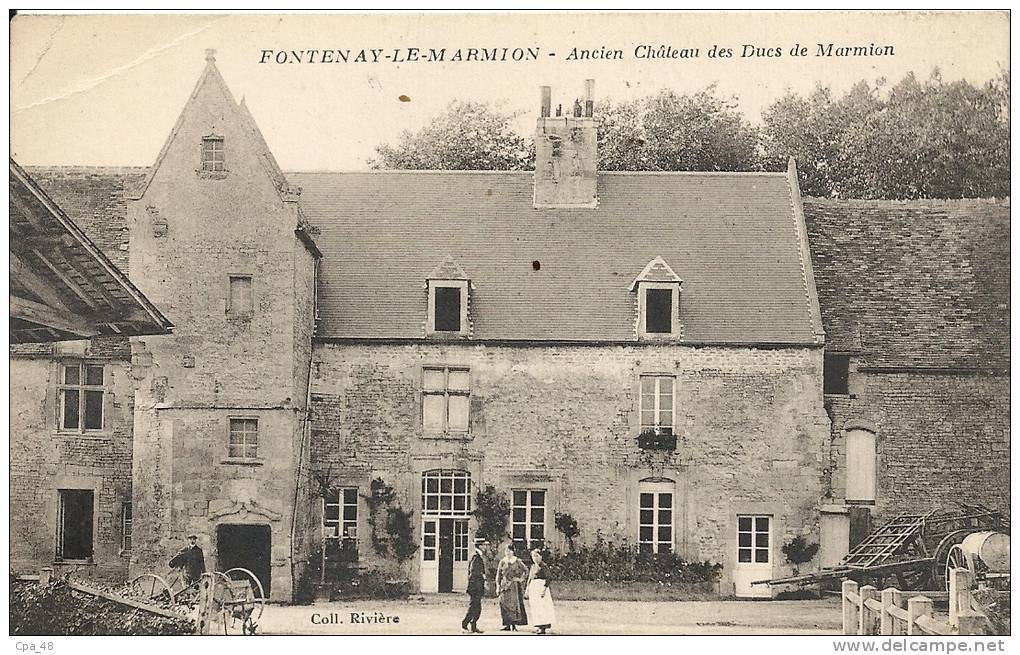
[(213, 154), (447, 307), (659, 311), (658, 301), (448, 286)]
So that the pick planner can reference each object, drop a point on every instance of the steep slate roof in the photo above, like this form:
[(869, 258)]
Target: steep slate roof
[(95, 198), (732, 238), (914, 284), (901, 284)]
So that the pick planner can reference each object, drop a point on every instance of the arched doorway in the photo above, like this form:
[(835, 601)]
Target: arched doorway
[(445, 510)]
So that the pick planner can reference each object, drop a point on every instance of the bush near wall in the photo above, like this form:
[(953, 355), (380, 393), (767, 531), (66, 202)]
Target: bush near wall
[(57, 609), (621, 563), (346, 579)]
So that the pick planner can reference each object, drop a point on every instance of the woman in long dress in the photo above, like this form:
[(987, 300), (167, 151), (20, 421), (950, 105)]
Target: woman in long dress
[(540, 602), (510, 577)]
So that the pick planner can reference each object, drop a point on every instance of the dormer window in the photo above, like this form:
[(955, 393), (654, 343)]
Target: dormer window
[(448, 287), (213, 154), (658, 300), (447, 307)]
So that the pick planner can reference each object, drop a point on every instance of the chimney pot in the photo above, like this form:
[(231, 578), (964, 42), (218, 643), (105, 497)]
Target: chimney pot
[(559, 110), (546, 93), (589, 98)]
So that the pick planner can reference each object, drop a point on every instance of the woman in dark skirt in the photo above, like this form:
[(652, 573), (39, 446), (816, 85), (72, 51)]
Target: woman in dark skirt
[(510, 577)]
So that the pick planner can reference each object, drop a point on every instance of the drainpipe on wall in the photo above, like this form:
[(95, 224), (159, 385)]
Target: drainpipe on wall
[(306, 429)]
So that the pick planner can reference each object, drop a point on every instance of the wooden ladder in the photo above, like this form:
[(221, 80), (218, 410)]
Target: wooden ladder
[(886, 541)]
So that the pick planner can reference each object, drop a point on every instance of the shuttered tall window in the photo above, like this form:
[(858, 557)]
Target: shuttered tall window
[(446, 399), (657, 412)]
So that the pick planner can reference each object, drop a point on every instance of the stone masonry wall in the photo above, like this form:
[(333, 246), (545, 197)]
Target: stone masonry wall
[(942, 438), (754, 435), (45, 459), (190, 232)]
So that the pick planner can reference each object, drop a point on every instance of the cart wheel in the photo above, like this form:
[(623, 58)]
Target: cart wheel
[(941, 556), (259, 601), (149, 586), (957, 559)]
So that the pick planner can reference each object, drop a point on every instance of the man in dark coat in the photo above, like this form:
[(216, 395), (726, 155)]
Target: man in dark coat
[(191, 559), (475, 588)]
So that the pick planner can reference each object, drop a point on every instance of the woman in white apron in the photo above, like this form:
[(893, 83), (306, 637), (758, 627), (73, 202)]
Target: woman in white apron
[(540, 603)]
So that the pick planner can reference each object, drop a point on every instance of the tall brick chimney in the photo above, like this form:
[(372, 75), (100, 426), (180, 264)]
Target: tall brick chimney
[(565, 154)]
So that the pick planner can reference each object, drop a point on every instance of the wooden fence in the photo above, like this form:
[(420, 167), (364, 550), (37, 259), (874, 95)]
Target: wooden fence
[(868, 611)]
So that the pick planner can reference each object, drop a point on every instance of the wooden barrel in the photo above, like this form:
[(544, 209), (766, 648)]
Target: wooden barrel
[(990, 548)]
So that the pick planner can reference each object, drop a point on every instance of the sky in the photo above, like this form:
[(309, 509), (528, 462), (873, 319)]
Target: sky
[(105, 90)]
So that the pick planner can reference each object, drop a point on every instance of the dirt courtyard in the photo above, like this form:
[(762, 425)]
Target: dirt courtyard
[(441, 614)]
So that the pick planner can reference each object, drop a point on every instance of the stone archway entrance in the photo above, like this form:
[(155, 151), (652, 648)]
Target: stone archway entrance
[(247, 546)]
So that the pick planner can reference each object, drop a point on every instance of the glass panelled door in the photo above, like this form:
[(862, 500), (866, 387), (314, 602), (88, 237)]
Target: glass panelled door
[(754, 555), (446, 508)]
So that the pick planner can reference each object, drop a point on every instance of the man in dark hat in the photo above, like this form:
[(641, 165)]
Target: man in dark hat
[(191, 559), (475, 588)]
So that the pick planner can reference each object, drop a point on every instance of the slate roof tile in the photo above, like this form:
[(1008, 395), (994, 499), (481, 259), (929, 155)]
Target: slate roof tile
[(732, 238)]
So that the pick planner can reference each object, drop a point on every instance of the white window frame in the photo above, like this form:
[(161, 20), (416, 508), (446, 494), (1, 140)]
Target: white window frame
[(430, 325), (754, 548), (643, 288), (440, 476), (212, 165), (243, 444), (81, 388), (529, 506), (446, 393), (657, 489), (340, 529), (657, 426)]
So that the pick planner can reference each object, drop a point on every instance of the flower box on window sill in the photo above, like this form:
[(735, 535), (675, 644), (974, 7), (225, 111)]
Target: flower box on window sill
[(651, 440)]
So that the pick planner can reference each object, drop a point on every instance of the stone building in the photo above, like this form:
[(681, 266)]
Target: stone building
[(71, 403), (915, 304), (641, 351)]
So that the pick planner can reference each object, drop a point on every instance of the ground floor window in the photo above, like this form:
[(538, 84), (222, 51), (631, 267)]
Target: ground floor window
[(74, 524), (126, 526), (655, 528), (753, 536), (527, 515), (340, 513)]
